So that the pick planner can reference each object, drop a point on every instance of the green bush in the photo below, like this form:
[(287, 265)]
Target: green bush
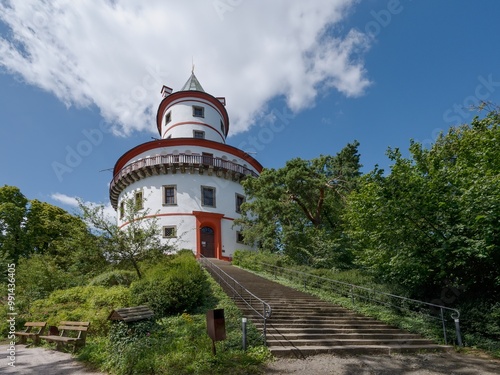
[(82, 303), (170, 288), (179, 344), (132, 343), (114, 277), (40, 275)]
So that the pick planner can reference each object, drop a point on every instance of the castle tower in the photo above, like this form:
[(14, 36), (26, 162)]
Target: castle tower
[(190, 179)]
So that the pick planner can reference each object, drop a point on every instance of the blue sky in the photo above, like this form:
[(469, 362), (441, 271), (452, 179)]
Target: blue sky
[(80, 84)]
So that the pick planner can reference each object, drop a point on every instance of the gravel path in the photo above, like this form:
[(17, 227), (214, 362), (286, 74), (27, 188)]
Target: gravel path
[(416, 364), (42, 361)]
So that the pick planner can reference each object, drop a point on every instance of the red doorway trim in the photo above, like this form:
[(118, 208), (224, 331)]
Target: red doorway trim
[(212, 220)]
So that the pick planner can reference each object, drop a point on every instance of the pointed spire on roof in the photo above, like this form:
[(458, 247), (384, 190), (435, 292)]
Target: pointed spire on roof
[(192, 83)]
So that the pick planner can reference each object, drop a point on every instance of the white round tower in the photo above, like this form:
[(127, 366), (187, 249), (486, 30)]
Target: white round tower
[(190, 178)]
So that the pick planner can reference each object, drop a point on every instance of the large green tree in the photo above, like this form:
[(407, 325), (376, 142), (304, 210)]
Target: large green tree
[(297, 209), (13, 211), (434, 220)]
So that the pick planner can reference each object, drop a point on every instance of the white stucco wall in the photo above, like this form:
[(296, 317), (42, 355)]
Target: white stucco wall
[(183, 123), (188, 195)]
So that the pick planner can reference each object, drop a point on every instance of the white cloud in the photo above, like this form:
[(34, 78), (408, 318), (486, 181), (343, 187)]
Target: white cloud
[(65, 199), (117, 54), (109, 212)]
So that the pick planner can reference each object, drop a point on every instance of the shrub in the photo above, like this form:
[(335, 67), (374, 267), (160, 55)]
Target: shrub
[(40, 275), (113, 278), (82, 303), (171, 288)]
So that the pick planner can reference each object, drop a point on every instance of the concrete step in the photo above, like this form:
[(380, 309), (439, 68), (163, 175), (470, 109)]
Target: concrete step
[(340, 336), (344, 342), (305, 351), (302, 324), (307, 330)]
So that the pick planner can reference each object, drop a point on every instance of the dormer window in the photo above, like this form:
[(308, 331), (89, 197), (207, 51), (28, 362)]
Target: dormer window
[(198, 134), (198, 111)]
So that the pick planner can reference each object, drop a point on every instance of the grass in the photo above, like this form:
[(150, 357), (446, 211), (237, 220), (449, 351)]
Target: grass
[(180, 345)]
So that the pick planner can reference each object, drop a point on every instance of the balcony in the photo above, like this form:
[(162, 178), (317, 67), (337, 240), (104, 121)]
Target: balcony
[(172, 164)]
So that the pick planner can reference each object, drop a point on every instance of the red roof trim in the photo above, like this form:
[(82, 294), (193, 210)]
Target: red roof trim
[(175, 142), (190, 94)]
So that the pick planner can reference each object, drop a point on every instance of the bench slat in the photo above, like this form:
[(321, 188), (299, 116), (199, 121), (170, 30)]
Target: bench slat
[(73, 328), (35, 324), (65, 323), (60, 338)]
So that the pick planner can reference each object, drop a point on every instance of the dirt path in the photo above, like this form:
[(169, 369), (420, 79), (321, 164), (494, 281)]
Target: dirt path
[(419, 364)]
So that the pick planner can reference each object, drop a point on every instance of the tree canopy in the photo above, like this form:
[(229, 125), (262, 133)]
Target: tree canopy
[(435, 219), (297, 209)]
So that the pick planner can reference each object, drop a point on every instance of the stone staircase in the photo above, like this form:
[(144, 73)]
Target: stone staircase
[(303, 325)]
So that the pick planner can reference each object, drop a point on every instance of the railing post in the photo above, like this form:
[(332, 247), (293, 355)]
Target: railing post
[(457, 329), (444, 326), (352, 294), (264, 331), (244, 331)]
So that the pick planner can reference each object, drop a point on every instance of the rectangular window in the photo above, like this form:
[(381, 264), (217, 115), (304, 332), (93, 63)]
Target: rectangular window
[(208, 196), (239, 237), (198, 134), (170, 195), (169, 232), (168, 117), (139, 202), (198, 111), (239, 201)]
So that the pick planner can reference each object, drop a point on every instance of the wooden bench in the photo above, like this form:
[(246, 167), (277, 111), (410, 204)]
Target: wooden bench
[(32, 330), (71, 333)]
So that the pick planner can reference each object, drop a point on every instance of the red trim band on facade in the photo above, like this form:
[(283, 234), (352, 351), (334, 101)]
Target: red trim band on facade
[(178, 214), (176, 142), (191, 94)]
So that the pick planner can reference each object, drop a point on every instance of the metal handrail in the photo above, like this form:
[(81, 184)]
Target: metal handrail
[(363, 293), (239, 290)]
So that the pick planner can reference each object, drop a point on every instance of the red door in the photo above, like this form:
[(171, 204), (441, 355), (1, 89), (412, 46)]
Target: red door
[(207, 242)]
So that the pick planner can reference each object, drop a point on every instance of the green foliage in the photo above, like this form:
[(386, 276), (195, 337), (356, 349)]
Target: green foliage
[(482, 321), (297, 209), (135, 242), (13, 211), (82, 303), (178, 344), (29, 228), (47, 225), (114, 277), (39, 276), (131, 345), (256, 260), (433, 221), (171, 287)]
